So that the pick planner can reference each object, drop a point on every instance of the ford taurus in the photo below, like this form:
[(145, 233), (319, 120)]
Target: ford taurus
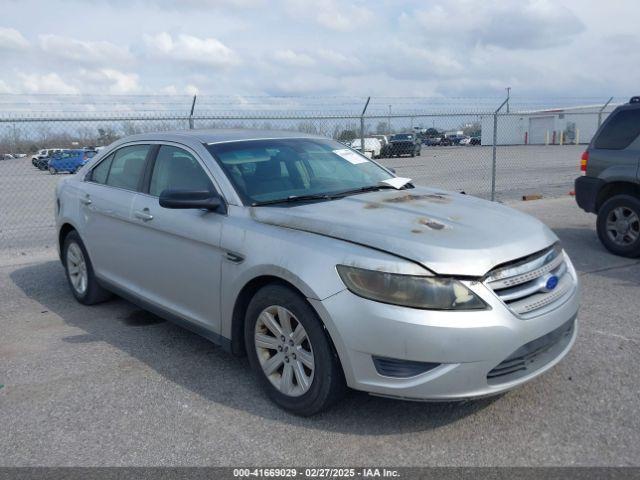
[(321, 265)]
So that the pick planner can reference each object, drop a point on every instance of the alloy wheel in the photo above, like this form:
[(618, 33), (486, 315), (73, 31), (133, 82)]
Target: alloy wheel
[(623, 226), (77, 268), (284, 351)]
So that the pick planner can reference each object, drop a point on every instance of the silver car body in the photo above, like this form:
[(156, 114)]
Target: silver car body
[(193, 266)]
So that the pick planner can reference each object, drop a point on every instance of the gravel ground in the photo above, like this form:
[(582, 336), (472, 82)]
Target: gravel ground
[(112, 385)]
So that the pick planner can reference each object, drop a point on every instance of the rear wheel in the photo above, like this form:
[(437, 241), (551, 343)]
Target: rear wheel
[(79, 271), (291, 353), (52, 171), (619, 225)]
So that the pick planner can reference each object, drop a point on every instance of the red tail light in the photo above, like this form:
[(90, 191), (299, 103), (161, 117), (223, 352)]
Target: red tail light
[(583, 161)]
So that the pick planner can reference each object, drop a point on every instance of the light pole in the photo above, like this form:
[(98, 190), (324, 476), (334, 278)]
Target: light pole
[(389, 120), (508, 96)]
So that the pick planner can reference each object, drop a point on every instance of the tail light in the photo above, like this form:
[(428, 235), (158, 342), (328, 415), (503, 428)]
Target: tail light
[(583, 162)]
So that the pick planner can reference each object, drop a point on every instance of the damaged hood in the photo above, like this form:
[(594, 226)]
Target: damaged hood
[(448, 233)]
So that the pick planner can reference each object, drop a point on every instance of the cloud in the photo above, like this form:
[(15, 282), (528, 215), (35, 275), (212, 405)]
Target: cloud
[(303, 84), (12, 39), (47, 83), (84, 52), (5, 88), (190, 49), (110, 80), (526, 24), (331, 14), (293, 59)]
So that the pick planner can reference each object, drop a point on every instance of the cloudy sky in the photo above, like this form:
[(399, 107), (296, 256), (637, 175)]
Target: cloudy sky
[(541, 48)]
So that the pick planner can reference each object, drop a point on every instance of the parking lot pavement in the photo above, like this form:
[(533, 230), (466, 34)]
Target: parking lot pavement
[(112, 385)]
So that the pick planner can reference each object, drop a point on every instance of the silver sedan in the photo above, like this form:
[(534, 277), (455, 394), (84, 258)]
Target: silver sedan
[(321, 265)]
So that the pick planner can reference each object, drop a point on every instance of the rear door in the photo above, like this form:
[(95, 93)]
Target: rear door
[(176, 255), (614, 153), (106, 203)]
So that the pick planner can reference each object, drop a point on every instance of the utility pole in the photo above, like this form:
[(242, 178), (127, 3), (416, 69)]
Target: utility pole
[(508, 96)]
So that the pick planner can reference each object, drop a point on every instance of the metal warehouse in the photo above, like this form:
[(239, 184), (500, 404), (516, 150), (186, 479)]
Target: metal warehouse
[(554, 126)]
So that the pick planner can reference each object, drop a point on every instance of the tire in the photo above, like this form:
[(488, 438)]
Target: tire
[(321, 386), (618, 225), (52, 171), (92, 292)]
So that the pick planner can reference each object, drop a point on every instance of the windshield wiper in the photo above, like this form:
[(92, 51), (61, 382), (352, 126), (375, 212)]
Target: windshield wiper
[(370, 188), (326, 196), (294, 199)]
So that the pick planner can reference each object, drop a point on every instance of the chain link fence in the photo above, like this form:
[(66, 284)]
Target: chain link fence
[(495, 149)]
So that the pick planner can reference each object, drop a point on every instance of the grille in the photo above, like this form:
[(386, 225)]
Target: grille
[(531, 356), (524, 285)]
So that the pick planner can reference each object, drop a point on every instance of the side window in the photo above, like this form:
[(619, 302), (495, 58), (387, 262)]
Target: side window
[(100, 172), (177, 169), (127, 167), (620, 130)]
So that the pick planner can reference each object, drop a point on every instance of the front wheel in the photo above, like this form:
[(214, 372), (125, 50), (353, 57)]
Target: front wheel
[(291, 352), (619, 225)]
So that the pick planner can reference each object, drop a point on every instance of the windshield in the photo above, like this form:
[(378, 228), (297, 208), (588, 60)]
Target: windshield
[(269, 170), (402, 136)]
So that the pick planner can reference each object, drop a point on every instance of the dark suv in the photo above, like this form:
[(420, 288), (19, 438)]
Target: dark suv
[(402, 144), (610, 186)]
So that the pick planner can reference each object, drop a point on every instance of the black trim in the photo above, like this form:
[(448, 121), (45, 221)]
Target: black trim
[(216, 338), (587, 189), (393, 367), (524, 358), (150, 162)]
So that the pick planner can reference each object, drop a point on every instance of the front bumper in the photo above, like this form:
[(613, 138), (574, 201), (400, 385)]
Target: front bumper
[(402, 148), (466, 345)]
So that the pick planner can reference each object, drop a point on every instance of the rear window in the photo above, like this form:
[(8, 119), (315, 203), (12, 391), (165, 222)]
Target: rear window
[(620, 130)]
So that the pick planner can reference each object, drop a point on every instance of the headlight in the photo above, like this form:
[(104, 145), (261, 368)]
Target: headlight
[(429, 293)]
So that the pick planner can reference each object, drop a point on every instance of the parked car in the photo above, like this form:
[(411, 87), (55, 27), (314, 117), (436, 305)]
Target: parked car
[(444, 141), (475, 141), (431, 141), (318, 263), (465, 141), (456, 139), (42, 163), (6, 156), (43, 154), (402, 144), (610, 186), (69, 160), (372, 146)]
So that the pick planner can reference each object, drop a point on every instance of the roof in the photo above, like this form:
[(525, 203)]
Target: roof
[(219, 135)]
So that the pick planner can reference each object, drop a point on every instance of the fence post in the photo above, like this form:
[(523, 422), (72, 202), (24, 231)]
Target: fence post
[(601, 110), (193, 106), (362, 125), (495, 141)]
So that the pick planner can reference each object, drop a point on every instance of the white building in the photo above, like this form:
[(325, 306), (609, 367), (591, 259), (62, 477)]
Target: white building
[(553, 126)]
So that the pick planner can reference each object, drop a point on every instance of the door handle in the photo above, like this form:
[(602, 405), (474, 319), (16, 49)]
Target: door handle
[(86, 200), (143, 215)]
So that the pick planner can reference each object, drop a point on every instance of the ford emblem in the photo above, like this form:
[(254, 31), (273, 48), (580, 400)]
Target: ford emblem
[(552, 282)]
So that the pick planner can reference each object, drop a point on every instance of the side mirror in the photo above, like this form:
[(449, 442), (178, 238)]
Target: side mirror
[(186, 199)]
